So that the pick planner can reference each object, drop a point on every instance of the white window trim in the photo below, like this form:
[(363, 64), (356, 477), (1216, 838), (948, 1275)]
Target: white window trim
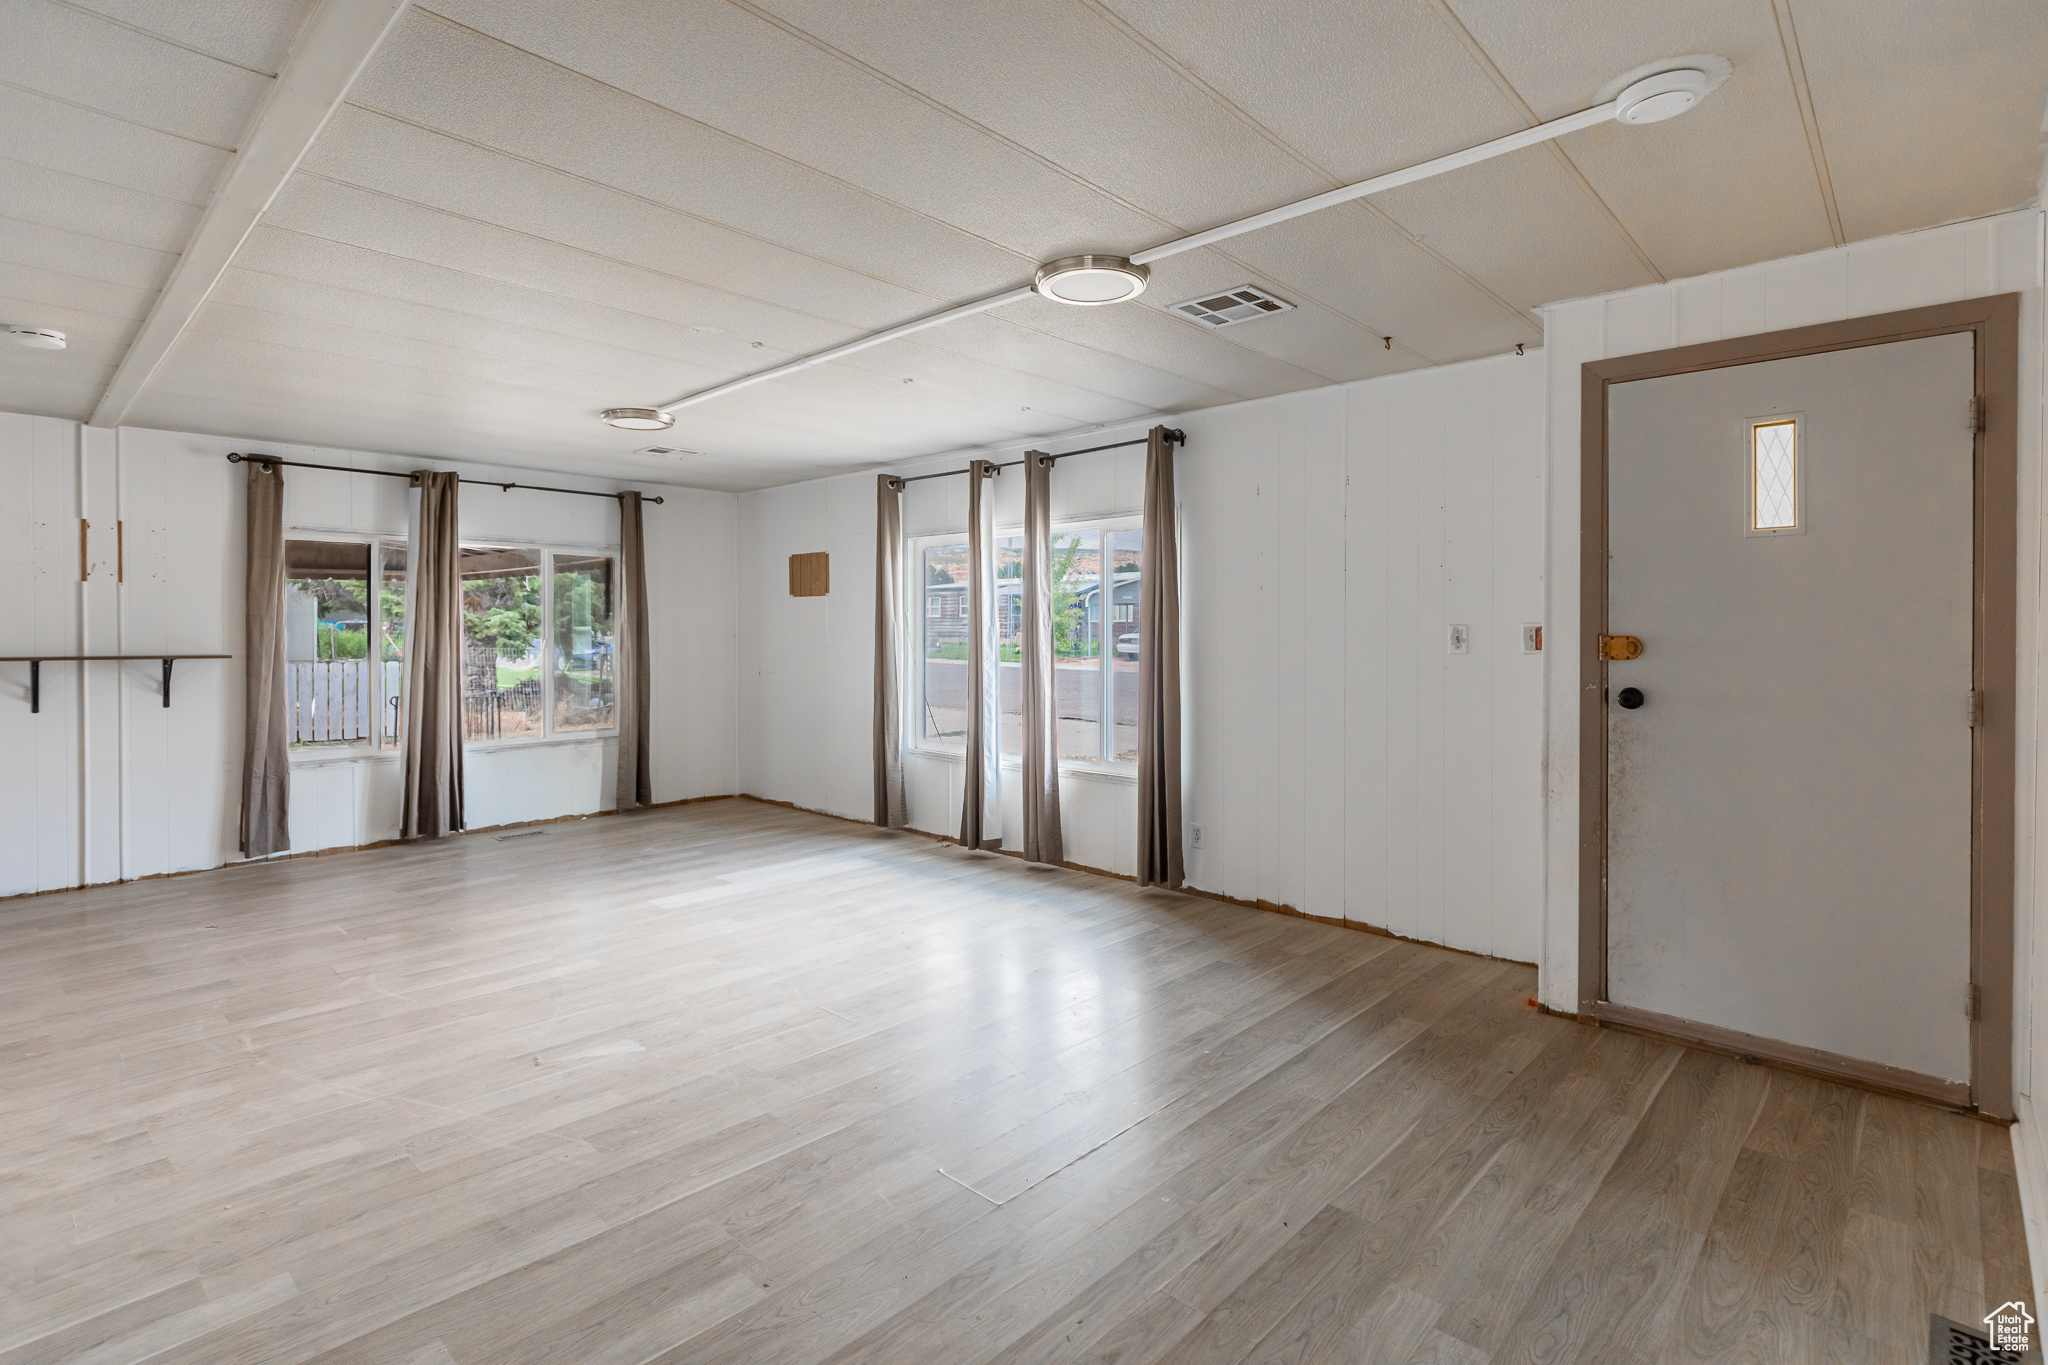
[(913, 701), (362, 750), (547, 551)]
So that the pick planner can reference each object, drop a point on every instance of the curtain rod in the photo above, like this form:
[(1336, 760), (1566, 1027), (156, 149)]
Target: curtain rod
[(268, 460), (1174, 436)]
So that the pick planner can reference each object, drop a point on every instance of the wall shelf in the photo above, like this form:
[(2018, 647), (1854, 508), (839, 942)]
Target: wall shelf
[(35, 664)]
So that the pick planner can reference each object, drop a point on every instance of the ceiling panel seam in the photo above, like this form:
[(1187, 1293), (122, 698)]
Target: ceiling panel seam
[(712, 128), (484, 318), (1795, 67), (637, 197), (1484, 61), (110, 184), (34, 93), (9, 215), (940, 106), (165, 39), (128, 321), (410, 367), (1188, 76), (556, 242)]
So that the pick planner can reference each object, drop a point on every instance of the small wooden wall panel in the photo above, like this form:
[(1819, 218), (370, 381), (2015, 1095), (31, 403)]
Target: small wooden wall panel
[(810, 575)]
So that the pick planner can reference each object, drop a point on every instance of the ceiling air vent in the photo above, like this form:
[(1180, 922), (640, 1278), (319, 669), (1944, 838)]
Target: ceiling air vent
[(1241, 304)]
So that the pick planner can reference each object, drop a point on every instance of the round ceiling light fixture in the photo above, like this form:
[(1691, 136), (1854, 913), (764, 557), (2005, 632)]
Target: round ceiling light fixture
[(1664, 95), (38, 338), (638, 419), (1090, 281)]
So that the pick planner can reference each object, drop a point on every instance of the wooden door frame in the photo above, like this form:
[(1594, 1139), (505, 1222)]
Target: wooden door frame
[(1994, 321)]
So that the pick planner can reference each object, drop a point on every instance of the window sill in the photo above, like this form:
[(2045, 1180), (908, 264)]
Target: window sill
[(498, 746), (320, 758), (1126, 774)]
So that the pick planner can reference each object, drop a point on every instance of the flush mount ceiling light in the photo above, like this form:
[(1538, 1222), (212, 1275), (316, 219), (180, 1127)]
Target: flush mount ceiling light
[(1090, 281), (1648, 94), (37, 338), (1664, 95), (638, 419)]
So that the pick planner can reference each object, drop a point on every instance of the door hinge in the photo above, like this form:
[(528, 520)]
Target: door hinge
[(1975, 1004), (1977, 413), (1976, 709)]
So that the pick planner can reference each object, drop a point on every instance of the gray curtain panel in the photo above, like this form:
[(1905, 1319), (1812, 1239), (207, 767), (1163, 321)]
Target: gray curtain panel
[(433, 667), (635, 784), (892, 811), (981, 820), (1159, 828), (1041, 775), (266, 762)]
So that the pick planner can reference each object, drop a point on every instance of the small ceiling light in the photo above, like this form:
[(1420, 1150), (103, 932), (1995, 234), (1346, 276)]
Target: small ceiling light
[(1664, 95), (1090, 281), (39, 338), (638, 419)]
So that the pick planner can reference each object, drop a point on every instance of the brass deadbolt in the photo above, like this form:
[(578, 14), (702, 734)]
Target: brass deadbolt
[(1620, 647)]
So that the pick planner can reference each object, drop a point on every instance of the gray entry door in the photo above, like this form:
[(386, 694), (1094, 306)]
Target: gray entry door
[(1788, 834)]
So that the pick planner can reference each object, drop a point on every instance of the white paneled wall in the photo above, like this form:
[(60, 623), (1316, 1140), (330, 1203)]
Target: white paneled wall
[(1340, 760), (106, 783)]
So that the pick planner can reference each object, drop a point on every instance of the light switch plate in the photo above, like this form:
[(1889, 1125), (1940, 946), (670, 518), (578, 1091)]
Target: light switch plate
[(1532, 638), (1459, 639)]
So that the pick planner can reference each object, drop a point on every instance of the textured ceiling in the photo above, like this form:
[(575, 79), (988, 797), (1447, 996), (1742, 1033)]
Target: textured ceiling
[(528, 211)]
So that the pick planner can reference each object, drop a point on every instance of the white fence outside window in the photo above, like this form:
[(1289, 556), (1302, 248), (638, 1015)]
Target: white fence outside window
[(336, 701)]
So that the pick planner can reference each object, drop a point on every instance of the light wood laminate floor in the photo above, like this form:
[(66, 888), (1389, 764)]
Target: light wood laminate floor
[(733, 1083)]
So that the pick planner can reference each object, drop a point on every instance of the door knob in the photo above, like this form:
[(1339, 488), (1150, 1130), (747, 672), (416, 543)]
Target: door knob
[(1629, 698)]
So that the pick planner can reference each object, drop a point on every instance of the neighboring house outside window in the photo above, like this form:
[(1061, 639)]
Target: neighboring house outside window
[(1091, 660)]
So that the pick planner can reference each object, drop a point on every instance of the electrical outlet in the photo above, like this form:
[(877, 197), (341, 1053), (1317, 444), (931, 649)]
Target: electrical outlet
[(1194, 836), (1532, 639), (1459, 639)]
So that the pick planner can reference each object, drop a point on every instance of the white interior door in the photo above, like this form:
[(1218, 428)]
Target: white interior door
[(1788, 839)]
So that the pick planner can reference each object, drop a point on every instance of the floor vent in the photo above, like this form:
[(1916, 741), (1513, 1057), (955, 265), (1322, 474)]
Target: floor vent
[(1232, 306), (1951, 1343), (523, 834)]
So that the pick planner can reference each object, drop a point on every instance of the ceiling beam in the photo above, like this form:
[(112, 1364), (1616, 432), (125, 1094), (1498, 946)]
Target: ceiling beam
[(337, 44)]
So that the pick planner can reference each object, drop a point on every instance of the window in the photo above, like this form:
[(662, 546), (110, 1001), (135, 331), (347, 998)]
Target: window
[(1095, 643), (340, 691), (537, 643), (584, 676), (1774, 476), (942, 684)]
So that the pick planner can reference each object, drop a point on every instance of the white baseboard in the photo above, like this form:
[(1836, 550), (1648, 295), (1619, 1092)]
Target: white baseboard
[(2030, 1162)]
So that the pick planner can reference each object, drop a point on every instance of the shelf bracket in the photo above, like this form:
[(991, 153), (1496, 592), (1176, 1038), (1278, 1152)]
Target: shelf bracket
[(35, 686), (167, 680)]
